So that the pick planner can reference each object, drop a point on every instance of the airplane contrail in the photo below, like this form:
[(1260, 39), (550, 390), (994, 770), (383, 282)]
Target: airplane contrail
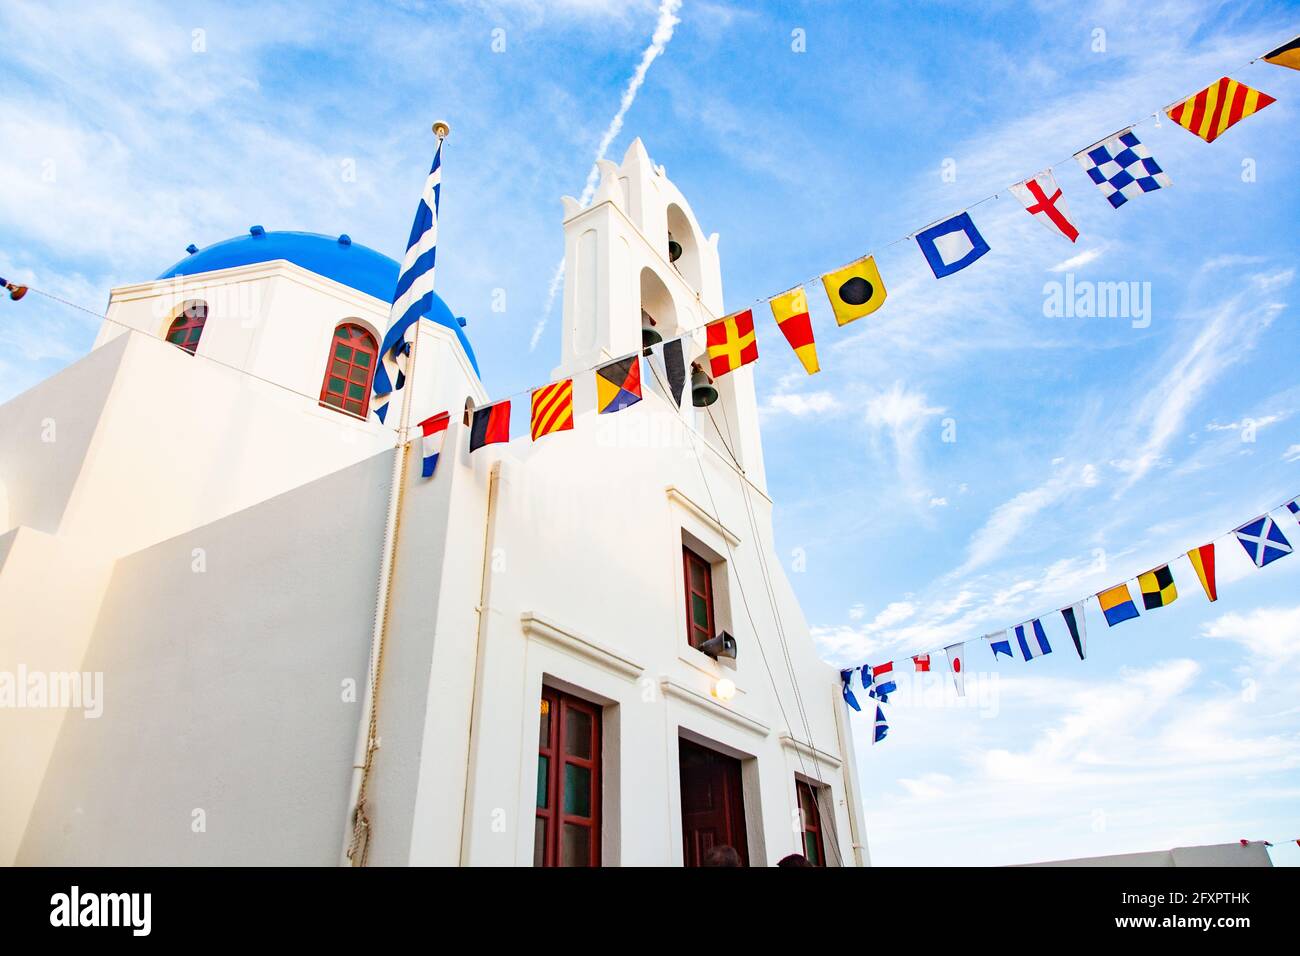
[(663, 33)]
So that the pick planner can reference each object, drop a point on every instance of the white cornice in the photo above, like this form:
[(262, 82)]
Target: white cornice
[(546, 631), (275, 268), (680, 498), (713, 708), (812, 753)]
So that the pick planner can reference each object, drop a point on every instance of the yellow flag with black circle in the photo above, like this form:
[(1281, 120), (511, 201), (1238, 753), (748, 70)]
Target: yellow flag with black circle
[(856, 290)]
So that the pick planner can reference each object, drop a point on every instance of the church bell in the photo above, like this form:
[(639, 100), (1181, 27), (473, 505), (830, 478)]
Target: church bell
[(703, 393), (649, 334)]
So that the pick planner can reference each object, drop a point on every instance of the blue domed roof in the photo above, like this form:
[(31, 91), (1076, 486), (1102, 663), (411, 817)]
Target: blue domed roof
[(337, 258)]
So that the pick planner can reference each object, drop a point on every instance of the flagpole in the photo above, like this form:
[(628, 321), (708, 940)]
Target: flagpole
[(357, 833)]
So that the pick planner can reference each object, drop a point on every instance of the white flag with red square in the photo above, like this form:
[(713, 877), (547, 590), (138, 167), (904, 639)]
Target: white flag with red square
[(1043, 200)]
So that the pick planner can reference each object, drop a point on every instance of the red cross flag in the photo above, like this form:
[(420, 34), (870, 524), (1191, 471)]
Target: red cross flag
[(1043, 201)]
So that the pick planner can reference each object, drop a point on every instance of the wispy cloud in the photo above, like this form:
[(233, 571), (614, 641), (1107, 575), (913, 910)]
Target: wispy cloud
[(667, 21), (1228, 332)]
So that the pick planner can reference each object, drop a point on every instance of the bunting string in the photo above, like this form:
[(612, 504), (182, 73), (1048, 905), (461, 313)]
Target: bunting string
[(1262, 539), (941, 236)]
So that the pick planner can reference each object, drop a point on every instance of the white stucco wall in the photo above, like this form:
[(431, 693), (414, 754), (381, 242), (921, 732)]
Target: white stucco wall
[(1213, 855), (223, 690)]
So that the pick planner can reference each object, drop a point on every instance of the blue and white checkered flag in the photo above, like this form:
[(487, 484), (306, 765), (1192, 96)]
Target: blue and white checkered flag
[(1122, 168), (414, 293)]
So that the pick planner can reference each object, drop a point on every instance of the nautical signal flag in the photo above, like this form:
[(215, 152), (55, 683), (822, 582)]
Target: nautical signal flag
[(921, 662), (951, 245), (432, 432), (1042, 199), (1209, 113), (490, 425), (999, 643), (668, 368), (731, 343), (957, 664), (1157, 587), (1202, 559), (882, 682), (1122, 168), (618, 384), (1078, 627), (1032, 639), (1288, 55), (882, 728), (790, 309), (552, 408), (856, 290), (846, 688), (1263, 541), (1117, 604)]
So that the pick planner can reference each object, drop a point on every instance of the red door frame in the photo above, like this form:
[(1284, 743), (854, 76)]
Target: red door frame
[(810, 819), (713, 778), (561, 706), (692, 561)]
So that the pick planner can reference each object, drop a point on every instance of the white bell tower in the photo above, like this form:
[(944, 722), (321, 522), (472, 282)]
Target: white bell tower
[(621, 275)]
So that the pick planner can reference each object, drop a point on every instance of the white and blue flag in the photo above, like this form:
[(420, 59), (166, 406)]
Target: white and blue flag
[(1032, 639), (882, 728), (1263, 541), (846, 688), (414, 293), (951, 245), (999, 644)]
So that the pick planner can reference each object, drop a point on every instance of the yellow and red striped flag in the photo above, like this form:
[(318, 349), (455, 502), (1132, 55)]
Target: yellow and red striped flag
[(1217, 107), (553, 408), (1202, 559), (790, 309)]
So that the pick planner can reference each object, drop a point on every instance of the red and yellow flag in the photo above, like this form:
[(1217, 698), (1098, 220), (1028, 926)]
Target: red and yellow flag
[(1217, 107), (553, 408), (731, 342), (1202, 559), (790, 309)]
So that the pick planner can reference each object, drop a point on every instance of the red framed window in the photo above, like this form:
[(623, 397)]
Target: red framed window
[(810, 814), (350, 371), (568, 782), (698, 575), (187, 328)]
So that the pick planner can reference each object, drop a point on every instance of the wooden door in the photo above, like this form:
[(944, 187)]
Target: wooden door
[(713, 804)]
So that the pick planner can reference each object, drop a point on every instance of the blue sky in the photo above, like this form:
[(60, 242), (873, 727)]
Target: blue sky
[(1087, 449)]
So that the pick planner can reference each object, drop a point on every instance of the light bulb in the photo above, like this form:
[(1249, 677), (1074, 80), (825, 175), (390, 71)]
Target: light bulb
[(724, 689)]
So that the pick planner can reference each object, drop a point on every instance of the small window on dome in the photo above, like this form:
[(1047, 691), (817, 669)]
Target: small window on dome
[(187, 328), (350, 369)]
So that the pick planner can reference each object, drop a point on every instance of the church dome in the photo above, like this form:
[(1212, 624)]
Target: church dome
[(337, 258)]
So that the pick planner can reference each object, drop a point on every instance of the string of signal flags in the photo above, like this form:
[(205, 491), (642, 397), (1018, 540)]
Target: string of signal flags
[(1261, 538), (1120, 165)]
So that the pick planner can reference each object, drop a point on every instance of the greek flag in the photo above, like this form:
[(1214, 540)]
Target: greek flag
[(414, 293)]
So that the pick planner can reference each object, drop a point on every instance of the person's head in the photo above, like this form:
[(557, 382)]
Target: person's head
[(721, 856), (794, 859)]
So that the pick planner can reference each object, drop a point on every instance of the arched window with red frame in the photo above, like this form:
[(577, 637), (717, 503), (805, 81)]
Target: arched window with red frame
[(350, 370), (187, 328)]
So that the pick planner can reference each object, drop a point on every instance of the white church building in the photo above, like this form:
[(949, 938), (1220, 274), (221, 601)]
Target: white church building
[(192, 529)]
